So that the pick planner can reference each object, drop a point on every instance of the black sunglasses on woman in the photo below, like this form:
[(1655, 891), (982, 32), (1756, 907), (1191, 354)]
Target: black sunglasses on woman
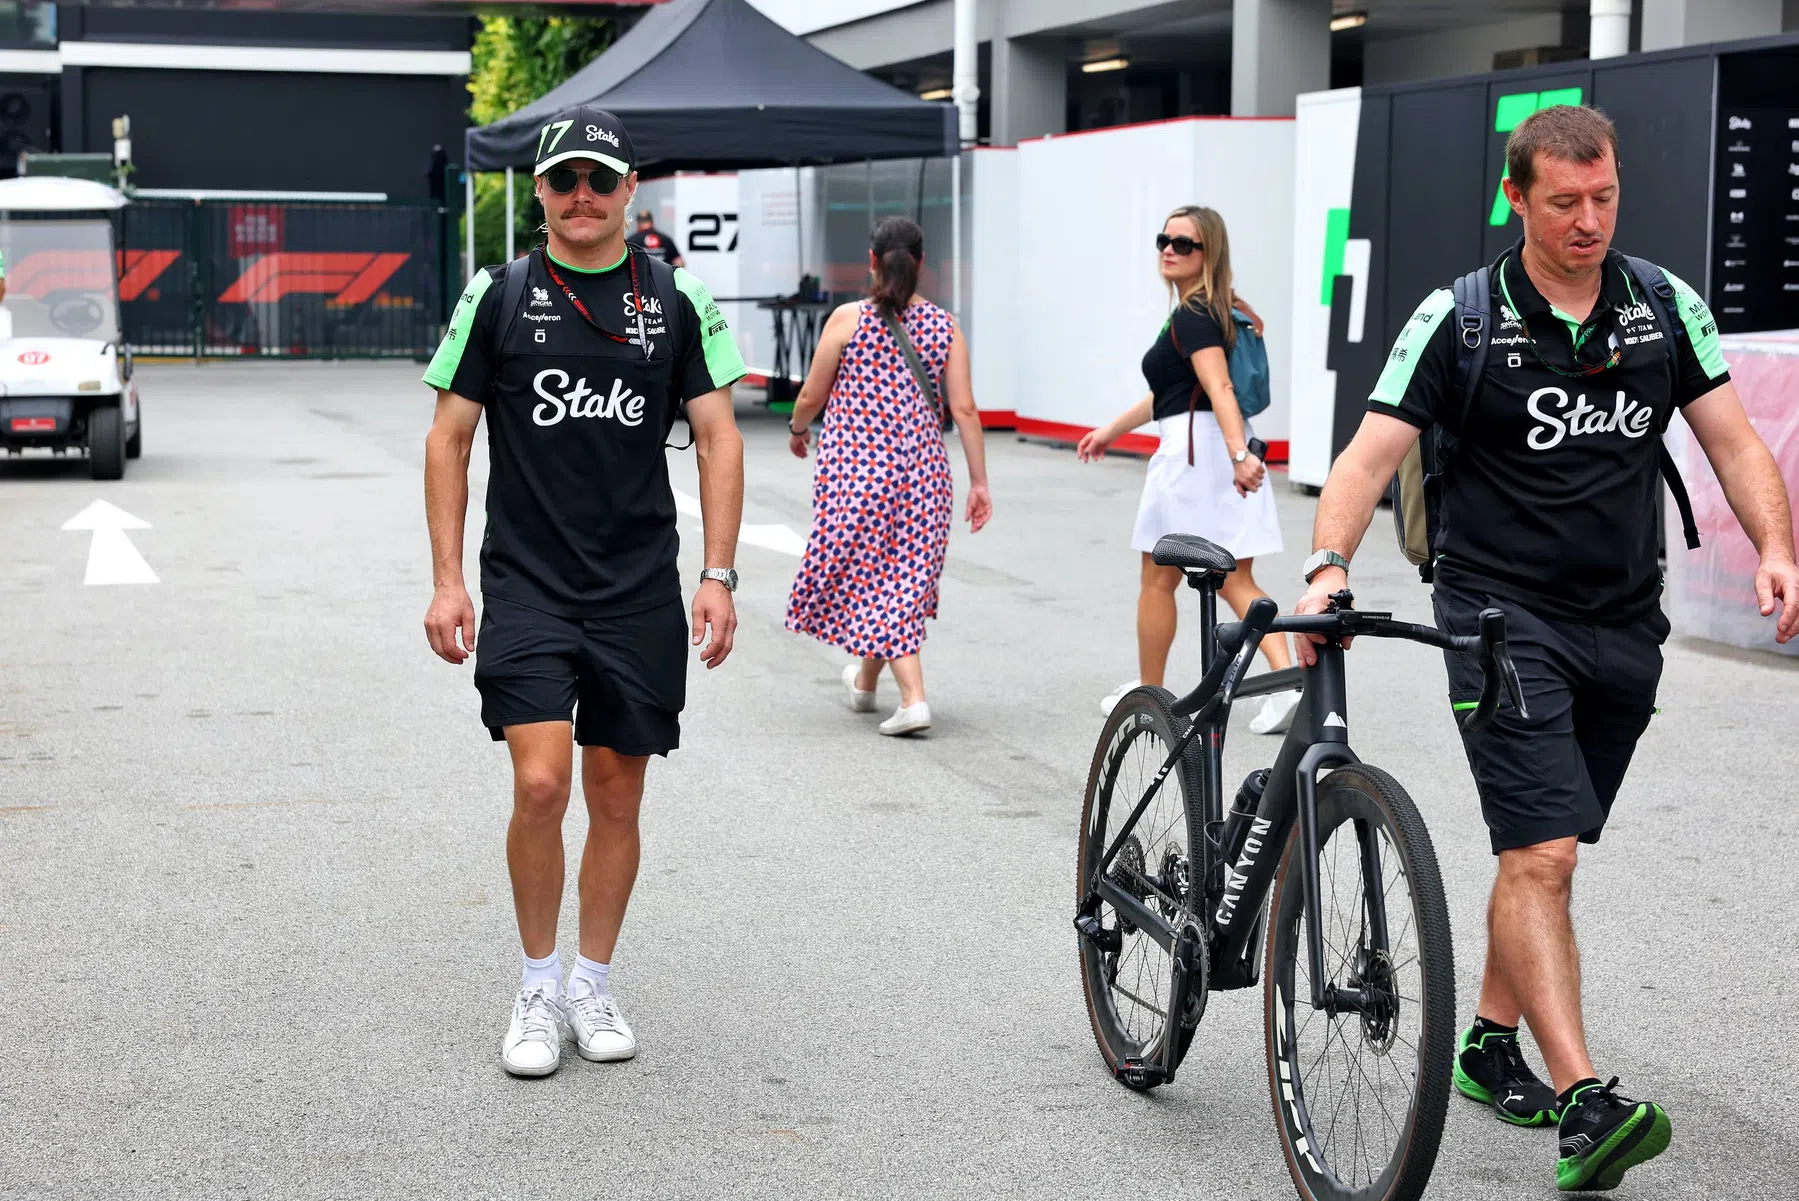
[(1183, 245)]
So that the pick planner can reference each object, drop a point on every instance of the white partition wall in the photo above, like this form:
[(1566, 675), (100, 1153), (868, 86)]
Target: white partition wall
[(700, 212), (777, 211), (1324, 167), (1087, 300), (991, 303)]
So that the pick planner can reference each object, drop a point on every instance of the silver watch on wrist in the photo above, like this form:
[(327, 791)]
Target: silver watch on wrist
[(1320, 560), (1240, 456), (724, 575)]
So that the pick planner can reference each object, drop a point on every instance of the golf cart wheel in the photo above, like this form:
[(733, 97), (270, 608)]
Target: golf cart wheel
[(106, 443)]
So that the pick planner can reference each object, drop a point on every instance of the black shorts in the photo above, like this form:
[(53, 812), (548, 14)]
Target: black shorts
[(623, 680), (1590, 691)]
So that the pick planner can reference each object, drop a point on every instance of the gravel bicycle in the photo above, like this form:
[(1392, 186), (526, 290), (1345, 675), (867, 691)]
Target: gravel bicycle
[(1334, 880)]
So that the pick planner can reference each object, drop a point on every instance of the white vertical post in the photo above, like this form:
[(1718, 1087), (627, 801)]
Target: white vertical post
[(509, 221), (468, 221), (965, 69), (955, 235), (1609, 30)]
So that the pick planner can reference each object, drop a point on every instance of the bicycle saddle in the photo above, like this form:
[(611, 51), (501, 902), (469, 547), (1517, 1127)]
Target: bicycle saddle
[(1190, 552)]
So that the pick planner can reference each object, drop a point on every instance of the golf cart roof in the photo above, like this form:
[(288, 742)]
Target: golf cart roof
[(56, 194)]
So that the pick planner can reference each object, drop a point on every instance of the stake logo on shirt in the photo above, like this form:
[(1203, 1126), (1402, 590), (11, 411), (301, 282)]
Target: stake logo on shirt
[(621, 404), (1627, 417)]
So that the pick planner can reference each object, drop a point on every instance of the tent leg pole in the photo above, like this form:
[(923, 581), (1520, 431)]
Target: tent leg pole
[(468, 208), (868, 165), (955, 236), (799, 220), (509, 221)]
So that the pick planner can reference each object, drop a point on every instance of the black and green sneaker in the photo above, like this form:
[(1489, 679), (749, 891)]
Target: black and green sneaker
[(1490, 1068), (1604, 1135)]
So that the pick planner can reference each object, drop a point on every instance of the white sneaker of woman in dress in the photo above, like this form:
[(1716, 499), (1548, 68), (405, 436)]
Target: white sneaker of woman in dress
[(907, 719)]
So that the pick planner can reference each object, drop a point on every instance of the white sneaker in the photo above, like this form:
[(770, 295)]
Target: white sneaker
[(908, 719), (1276, 715), (860, 701), (533, 1045), (595, 1024), (1111, 702)]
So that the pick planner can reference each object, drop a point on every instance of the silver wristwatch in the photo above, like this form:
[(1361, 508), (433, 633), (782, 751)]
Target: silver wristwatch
[(1320, 560), (724, 575), (1240, 456)]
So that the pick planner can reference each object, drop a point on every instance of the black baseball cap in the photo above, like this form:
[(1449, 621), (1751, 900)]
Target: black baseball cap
[(583, 131)]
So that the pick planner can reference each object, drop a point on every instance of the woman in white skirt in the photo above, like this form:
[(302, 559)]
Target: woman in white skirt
[(1203, 479)]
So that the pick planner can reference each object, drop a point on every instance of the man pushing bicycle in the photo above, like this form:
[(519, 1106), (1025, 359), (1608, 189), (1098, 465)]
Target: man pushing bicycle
[(1544, 395)]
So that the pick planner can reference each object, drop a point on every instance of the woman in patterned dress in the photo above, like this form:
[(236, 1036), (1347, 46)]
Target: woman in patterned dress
[(882, 493)]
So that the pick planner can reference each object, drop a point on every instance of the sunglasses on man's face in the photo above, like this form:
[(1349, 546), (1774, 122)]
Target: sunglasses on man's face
[(601, 181), (1183, 246)]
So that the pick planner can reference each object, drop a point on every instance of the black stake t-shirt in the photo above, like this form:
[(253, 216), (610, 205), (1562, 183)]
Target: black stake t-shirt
[(580, 513), (1169, 371), (1551, 497)]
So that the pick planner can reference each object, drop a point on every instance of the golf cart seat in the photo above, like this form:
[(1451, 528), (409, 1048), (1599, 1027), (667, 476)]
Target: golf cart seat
[(1190, 552)]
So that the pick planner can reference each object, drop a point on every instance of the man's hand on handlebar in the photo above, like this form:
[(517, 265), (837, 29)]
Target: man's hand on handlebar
[(1317, 599)]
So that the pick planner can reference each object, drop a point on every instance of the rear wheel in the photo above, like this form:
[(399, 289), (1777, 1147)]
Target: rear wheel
[(1125, 973), (106, 443), (1360, 1093)]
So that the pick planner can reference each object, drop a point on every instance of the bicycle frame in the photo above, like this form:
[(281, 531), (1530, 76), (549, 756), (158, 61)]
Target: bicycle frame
[(1318, 739)]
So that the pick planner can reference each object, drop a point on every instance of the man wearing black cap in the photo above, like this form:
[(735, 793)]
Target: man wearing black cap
[(582, 354), (654, 240)]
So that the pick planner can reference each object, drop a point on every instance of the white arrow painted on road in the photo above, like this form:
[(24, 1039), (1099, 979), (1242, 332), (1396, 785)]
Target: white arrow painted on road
[(773, 537), (111, 559)]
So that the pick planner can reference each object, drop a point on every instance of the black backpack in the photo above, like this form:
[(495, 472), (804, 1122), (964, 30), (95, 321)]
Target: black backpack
[(1418, 487)]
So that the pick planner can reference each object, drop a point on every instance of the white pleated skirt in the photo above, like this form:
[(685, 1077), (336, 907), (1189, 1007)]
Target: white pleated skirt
[(1202, 499)]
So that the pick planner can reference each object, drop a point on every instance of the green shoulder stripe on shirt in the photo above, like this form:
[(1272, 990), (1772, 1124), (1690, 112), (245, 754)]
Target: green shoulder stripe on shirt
[(442, 370), (1402, 360), (1702, 327), (723, 362)]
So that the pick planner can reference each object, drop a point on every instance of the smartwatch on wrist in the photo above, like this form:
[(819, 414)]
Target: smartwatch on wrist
[(1321, 559)]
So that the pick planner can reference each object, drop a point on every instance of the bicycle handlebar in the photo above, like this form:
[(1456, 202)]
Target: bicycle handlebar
[(1489, 647)]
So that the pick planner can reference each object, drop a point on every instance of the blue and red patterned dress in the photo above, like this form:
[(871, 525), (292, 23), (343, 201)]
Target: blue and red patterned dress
[(882, 495)]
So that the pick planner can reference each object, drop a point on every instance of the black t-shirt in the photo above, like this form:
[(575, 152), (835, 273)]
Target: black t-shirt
[(580, 514), (1551, 497), (1169, 371), (656, 242)]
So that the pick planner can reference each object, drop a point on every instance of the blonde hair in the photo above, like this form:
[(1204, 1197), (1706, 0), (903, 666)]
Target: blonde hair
[(1211, 291)]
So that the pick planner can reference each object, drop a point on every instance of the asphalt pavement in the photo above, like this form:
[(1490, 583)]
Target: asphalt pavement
[(256, 937)]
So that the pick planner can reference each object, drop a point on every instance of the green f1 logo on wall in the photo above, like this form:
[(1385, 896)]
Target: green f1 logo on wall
[(1508, 116)]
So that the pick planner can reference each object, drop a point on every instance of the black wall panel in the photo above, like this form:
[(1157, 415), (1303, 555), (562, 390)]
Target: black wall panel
[(267, 130), (1664, 116), (1496, 238), (409, 31), (1435, 197)]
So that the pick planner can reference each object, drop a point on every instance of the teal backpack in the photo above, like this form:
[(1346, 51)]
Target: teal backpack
[(1249, 367)]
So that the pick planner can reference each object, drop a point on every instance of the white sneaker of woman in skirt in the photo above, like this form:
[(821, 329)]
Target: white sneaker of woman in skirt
[(1203, 479)]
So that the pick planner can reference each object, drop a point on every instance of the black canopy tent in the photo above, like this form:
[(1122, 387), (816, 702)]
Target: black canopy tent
[(713, 85)]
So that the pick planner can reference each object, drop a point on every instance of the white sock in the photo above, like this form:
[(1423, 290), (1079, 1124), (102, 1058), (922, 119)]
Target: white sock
[(594, 973), (546, 971)]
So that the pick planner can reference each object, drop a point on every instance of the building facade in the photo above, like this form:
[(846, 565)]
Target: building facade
[(1054, 66)]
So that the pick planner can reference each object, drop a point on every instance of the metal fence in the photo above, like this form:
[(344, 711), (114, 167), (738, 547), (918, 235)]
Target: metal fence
[(296, 279)]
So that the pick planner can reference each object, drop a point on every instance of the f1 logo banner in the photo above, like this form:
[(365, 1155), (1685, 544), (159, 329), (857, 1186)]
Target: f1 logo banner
[(348, 279)]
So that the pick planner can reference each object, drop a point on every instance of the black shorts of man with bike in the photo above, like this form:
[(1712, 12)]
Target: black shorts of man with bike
[(1542, 482)]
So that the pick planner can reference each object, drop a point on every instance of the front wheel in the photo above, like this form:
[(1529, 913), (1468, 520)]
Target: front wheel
[(106, 443), (1361, 1087)]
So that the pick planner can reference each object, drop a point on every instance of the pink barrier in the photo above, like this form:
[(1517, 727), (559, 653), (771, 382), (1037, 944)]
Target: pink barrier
[(1711, 591)]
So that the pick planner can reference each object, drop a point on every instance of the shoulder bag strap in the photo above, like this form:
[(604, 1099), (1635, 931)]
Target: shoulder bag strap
[(1192, 397), (919, 373)]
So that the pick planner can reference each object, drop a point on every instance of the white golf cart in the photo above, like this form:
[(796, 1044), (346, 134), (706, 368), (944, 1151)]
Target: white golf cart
[(65, 371)]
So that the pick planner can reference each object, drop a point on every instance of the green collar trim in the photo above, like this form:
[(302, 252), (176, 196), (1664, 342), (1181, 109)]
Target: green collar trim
[(588, 270)]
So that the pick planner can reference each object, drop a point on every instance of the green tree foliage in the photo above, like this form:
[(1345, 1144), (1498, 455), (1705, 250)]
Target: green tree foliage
[(516, 60)]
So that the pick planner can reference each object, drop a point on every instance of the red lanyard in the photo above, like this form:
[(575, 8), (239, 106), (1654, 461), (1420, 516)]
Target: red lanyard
[(636, 302)]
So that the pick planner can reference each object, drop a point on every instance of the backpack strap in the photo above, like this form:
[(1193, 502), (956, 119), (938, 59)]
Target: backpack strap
[(512, 295), (658, 279), (1473, 319), (1658, 293)]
